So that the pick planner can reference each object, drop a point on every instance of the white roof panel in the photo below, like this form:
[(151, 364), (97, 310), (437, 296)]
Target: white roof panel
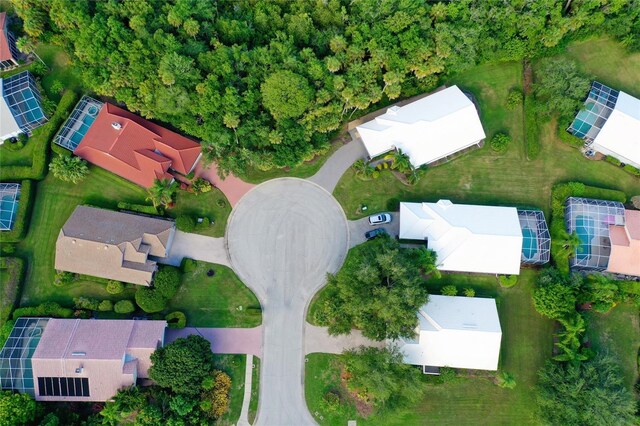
[(620, 135), (428, 129), (8, 125), (466, 238)]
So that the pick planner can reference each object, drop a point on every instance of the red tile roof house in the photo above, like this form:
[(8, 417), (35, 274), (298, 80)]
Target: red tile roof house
[(136, 149), (8, 50)]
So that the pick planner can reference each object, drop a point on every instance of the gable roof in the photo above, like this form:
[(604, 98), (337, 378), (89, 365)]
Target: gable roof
[(466, 238), (134, 148), (5, 48), (625, 245), (620, 135), (112, 245), (458, 332), (426, 130)]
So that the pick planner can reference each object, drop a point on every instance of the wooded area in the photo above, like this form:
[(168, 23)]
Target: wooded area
[(268, 83)]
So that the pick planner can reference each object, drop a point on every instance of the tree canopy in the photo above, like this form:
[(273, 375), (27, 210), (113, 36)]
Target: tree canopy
[(555, 295), (590, 392), (216, 72), (69, 169), (16, 408), (561, 88), (378, 290), (182, 365)]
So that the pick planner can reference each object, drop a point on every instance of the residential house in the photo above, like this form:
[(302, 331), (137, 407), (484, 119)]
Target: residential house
[(20, 105), (113, 245), (8, 50)]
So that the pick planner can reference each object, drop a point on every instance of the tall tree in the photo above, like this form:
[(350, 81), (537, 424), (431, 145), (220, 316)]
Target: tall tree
[(16, 408), (161, 193)]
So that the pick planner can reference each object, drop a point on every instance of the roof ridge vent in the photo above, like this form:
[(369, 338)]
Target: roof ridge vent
[(393, 110), (444, 204), (116, 125)]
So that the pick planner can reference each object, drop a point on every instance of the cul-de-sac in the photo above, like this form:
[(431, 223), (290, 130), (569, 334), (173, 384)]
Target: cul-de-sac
[(319, 212)]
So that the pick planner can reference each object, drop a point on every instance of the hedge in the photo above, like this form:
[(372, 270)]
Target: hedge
[(531, 127), (47, 309), (176, 319), (167, 281), (559, 195), (20, 225), (630, 169), (568, 138), (139, 208), (124, 307), (150, 300), (41, 138), (15, 268), (612, 160), (188, 264)]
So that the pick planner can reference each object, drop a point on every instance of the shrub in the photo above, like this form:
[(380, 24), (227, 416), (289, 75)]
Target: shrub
[(500, 142), (115, 287), (221, 203), (185, 223), (568, 138), (47, 309), (514, 99), (105, 306), (124, 307), (449, 290), (447, 375), (331, 400), (507, 280), (63, 278), (469, 292), (612, 160), (86, 303), (188, 265), (176, 319), (14, 146), (204, 224), (215, 399), (167, 281), (630, 169), (201, 186), (139, 208), (631, 287), (150, 300), (506, 380), (8, 249)]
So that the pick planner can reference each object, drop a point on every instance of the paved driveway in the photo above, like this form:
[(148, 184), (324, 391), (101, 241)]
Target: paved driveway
[(318, 339), (335, 166), (231, 186), (357, 228), (283, 237), (224, 340), (199, 247)]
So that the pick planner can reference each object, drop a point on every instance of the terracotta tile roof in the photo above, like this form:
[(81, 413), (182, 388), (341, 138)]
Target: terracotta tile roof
[(625, 245), (112, 245), (135, 148), (5, 51)]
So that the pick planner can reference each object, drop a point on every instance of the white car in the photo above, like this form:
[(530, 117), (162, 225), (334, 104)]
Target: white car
[(379, 219)]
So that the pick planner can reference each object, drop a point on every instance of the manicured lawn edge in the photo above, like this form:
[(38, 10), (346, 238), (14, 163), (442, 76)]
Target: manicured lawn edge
[(255, 390)]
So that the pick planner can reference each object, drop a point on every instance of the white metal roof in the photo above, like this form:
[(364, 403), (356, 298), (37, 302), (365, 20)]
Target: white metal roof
[(457, 332), (466, 238), (8, 125), (620, 135), (426, 130)]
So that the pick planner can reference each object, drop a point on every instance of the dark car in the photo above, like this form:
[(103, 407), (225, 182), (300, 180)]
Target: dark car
[(375, 233)]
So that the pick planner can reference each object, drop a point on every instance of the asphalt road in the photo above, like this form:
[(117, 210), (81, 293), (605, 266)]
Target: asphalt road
[(283, 237)]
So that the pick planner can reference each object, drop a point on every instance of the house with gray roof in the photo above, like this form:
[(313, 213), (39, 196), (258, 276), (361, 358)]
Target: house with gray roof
[(113, 245)]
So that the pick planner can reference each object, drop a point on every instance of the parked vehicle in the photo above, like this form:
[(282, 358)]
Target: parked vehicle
[(369, 235), (379, 219)]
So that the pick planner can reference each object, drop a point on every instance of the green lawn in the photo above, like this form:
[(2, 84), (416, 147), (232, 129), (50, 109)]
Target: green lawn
[(60, 70), (482, 176), (255, 390), (234, 366), (204, 205), (618, 333), (11, 270), (526, 344), (218, 301)]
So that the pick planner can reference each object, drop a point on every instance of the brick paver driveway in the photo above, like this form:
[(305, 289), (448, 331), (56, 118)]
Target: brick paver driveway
[(283, 237)]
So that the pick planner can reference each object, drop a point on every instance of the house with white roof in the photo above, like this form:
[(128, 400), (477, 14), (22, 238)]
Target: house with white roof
[(466, 238), (456, 332), (427, 130), (610, 123)]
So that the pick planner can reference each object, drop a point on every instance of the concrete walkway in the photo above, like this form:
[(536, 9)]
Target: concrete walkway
[(246, 399), (198, 247), (224, 340), (283, 237), (232, 186), (317, 339), (335, 166)]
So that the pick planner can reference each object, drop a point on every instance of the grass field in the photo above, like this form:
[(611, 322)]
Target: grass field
[(203, 205), (233, 365), (526, 344), (618, 333), (482, 176), (255, 390), (216, 301)]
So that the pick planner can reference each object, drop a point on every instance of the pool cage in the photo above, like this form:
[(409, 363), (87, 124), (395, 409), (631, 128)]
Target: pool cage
[(590, 219), (22, 96), (78, 123), (597, 109), (16, 372), (9, 198), (536, 240)]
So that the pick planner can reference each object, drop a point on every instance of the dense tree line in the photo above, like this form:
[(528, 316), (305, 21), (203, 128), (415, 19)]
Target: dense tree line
[(268, 82)]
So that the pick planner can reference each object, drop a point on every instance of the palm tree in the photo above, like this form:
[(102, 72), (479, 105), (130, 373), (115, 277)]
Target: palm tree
[(506, 380), (399, 161), (364, 171), (69, 169), (161, 192)]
